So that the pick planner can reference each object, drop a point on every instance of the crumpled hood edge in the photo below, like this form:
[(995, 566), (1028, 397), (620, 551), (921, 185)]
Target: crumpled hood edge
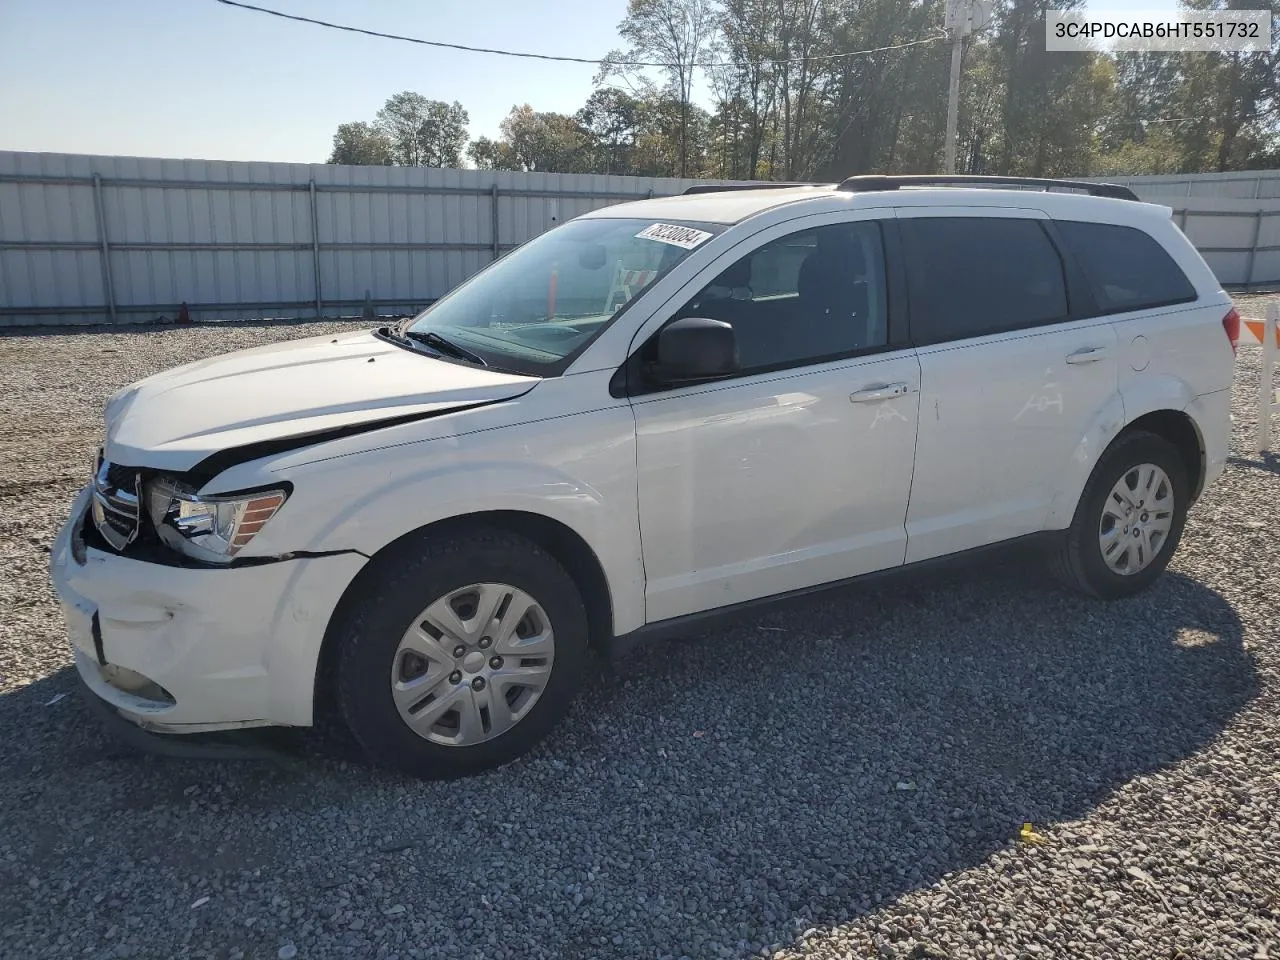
[(214, 464)]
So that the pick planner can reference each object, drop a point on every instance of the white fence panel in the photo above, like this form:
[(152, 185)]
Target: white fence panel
[(86, 239), (1239, 239), (1240, 185)]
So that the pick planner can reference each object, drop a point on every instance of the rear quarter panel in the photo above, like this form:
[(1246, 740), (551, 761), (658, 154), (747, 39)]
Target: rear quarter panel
[(1185, 341), (1179, 357), (1170, 358)]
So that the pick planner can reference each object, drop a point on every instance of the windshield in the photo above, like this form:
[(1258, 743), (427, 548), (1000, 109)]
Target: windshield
[(535, 309)]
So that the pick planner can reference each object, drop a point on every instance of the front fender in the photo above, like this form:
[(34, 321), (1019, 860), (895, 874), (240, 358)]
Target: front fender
[(406, 500), (575, 468)]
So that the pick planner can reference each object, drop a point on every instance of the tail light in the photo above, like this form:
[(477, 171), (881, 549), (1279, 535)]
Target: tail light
[(1231, 324)]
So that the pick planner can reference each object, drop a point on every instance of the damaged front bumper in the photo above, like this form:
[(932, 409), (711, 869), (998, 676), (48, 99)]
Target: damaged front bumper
[(178, 649)]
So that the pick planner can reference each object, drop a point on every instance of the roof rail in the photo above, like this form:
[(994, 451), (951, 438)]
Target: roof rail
[(873, 182), (723, 187)]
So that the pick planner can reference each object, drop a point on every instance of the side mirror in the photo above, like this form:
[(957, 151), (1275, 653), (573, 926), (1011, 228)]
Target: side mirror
[(695, 348)]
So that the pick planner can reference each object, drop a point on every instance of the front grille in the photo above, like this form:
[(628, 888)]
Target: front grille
[(117, 503), (117, 475)]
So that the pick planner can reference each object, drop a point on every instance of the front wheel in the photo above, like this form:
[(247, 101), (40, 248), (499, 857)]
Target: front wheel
[(464, 654), (1129, 519)]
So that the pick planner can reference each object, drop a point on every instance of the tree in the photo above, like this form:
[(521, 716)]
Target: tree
[(744, 89), (551, 142), (547, 142), (1153, 150), (488, 154), (1228, 103), (1145, 90), (612, 121), (888, 109), (422, 132), (673, 135), (1054, 103), (675, 33), (821, 89), (359, 144)]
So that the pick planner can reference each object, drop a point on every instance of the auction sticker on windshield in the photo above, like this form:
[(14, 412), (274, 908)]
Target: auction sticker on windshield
[(685, 237)]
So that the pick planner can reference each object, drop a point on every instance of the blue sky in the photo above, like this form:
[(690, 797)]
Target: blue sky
[(194, 78)]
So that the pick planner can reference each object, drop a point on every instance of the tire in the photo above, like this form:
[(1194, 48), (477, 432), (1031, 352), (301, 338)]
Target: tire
[(411, 587), (1078, 559)]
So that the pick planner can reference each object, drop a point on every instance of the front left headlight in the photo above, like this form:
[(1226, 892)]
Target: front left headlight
[(213, 529)]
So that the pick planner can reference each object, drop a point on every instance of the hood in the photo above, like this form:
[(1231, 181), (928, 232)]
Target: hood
[(175, 419)]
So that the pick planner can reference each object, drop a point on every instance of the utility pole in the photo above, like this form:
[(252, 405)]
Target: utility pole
[(953, 105), (959, 24)]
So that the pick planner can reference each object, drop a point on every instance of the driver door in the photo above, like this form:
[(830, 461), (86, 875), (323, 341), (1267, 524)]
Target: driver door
[(796, 471)]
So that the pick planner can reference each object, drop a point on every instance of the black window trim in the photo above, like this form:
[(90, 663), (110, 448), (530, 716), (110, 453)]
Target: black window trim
[(1098, 310), (1079, 295), (1081, 303), (628, 379)]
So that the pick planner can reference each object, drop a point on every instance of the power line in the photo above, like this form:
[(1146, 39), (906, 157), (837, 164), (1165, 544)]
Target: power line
[(560, 59), (827, 57)]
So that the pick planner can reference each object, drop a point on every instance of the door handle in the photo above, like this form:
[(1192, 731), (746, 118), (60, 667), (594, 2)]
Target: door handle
[(884, 391), (1087, 355)]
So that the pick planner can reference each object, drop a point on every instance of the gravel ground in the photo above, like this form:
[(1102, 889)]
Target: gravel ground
[(839, 778), (1255, 304)]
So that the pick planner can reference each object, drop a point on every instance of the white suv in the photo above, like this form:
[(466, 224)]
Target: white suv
[(655, 412)]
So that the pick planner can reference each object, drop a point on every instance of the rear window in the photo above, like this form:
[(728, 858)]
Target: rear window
[(1127, 269), (971, 276)]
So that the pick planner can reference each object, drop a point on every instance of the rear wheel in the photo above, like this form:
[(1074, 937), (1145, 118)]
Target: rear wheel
[(1129, 519), (463, 655)]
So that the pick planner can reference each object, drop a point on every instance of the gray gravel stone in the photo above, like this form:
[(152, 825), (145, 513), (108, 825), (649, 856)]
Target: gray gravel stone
[(732, 796)]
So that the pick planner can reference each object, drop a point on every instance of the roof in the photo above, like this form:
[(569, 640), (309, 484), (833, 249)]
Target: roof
[(728, 207), (737, 205)]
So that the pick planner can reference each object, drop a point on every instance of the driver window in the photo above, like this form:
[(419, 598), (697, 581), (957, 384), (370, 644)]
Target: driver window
[(812, 295)]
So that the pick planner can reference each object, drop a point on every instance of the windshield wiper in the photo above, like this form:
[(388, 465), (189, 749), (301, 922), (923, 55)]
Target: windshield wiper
[(432, 339)]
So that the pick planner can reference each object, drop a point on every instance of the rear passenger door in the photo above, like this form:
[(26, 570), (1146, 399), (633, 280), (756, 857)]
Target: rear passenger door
[(1012, 372)]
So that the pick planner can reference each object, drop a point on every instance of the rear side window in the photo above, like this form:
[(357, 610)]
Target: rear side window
[(970, 276), (1127, 269)]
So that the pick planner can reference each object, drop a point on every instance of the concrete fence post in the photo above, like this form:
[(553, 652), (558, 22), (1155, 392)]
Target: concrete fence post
[(100, 220), (1267, 405), (315, 244), (1253, 248), (494, 224)]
